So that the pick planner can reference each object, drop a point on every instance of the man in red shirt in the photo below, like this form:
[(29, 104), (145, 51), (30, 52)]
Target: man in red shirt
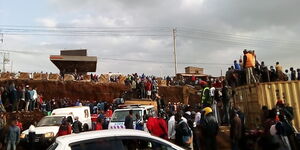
[(65, 128), (19, 124), (148, 89), (98, 125), (109, 112), (158, 127)]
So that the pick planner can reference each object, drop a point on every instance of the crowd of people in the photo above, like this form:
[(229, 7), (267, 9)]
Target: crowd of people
[(277, 126), (15, 98), (192, 127), (249, 71), (10, 130), (142, 87)]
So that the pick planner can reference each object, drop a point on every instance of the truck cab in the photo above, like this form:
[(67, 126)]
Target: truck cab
[(118, 118)]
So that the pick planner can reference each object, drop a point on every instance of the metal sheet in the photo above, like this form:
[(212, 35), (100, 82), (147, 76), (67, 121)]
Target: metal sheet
[(251, 98)]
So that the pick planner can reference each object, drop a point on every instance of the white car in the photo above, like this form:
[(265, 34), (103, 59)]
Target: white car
[(118, 118), (112, 140)]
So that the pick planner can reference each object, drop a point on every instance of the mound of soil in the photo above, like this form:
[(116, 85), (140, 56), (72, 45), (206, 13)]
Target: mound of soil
[(26, 118), (73, 90), (182, 94)]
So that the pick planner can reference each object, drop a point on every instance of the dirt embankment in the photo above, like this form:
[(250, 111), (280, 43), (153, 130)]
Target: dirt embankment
[(101, 91), (73, 90), (26, 118), (183, 94)]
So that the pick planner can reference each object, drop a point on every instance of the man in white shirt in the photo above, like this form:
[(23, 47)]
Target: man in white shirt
[(171, 127)]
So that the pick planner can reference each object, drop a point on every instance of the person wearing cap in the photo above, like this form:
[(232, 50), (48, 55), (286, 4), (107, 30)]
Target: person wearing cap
[(209, 127)]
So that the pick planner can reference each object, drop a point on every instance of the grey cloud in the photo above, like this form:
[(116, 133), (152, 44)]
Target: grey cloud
[(271, 27)]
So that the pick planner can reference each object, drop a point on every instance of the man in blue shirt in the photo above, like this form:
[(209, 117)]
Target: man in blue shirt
[(236, 65), (12, 138)]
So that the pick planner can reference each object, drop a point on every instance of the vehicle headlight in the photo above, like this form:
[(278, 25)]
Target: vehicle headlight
[(49, 135), (22, 136)]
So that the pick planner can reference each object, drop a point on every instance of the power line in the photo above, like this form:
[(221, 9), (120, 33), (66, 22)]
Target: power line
[(197, 30), (164, 62)]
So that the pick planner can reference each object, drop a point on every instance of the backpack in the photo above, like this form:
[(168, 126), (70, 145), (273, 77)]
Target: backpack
[(188, 137)]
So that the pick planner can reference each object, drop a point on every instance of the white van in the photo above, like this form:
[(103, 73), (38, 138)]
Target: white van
[(82, 112), (118, 118), (47, 128)]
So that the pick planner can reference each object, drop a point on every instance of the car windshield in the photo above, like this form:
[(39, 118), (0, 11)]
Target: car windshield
[(50, 121), (119, 116)]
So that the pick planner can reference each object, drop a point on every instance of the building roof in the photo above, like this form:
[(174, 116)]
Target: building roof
[(192, 74), (71, 60)]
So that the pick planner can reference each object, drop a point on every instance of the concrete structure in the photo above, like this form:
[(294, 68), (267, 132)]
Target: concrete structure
[(194, 70), (74, 61), (190, 72)]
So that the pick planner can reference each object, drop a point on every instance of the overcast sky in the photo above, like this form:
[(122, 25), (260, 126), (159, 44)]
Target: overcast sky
[(210, 33)]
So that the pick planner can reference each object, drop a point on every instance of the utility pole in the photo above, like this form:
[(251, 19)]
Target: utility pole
[(1, 40), (5, 60), (174, 48), (11, 66), (4, 54)]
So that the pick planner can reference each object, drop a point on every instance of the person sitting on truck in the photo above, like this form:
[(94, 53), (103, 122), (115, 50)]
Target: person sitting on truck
[(77, 125), (129, 120), (293, 73), (65, 128)]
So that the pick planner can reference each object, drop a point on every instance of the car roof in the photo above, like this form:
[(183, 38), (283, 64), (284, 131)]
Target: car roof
[(74, 138), (133, 107), (101, 134), (72, 108)]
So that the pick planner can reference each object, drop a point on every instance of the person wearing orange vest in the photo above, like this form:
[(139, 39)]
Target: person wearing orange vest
[(249, 64)]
